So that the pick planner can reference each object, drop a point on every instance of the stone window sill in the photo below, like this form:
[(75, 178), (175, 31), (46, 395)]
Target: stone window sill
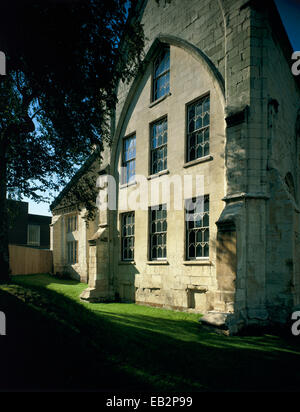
[(163, 172), (126, 262), (127, 185), (157, 262), (201, 262), (159, 100), (197, 161)]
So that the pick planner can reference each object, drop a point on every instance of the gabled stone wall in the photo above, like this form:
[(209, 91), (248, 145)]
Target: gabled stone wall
[(237, 51)]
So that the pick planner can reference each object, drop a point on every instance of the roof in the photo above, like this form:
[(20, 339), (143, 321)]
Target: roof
[(83, 169)]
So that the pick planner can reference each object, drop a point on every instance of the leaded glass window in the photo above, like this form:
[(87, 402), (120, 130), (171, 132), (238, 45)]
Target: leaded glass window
[(71, 223), (198, 116), (129, 153), (158, 232), (72, 250), (161, 78), (159, 140), (127, 236), (197, 228)]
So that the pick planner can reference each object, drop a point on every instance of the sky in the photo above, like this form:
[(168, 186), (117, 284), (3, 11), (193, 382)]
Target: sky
[(290, 14), (38, 208)]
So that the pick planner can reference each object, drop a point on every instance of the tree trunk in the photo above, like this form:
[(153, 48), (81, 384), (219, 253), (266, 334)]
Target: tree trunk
[(4, 252)]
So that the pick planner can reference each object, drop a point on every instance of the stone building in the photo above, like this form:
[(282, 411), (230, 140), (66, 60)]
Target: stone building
[(215, 98)]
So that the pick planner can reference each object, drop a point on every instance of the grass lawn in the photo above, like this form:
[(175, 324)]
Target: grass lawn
[(56, 342)]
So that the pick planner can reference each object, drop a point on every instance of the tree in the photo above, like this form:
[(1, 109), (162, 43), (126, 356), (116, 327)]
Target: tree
[(64, 62)]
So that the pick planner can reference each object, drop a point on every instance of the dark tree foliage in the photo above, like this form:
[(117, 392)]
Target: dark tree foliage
[(64, 61), (82, 190)]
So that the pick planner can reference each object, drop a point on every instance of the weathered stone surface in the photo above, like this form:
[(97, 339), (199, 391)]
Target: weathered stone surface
[(214, 319)]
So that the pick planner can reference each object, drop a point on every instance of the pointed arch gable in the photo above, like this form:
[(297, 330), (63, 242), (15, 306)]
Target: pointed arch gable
[(160, 40)]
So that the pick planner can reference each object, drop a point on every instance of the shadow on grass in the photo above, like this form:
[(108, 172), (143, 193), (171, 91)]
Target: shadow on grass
[(43, 279), (56, 342), (43, 352)]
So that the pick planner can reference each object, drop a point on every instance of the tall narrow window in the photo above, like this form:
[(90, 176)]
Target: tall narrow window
[(198, 129), (71, 223), (161, 78), (159, 140), (72, 250), (197, 228), (127, 236), (158, 233), (129, 153)]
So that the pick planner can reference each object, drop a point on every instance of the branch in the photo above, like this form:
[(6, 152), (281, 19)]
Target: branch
[(18, 82), (34, 114), (27, 98)]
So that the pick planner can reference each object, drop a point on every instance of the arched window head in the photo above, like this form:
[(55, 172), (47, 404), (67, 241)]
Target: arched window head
[(161, 75)]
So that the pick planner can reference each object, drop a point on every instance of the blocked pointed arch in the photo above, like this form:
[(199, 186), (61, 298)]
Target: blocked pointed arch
[(161, 40)]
